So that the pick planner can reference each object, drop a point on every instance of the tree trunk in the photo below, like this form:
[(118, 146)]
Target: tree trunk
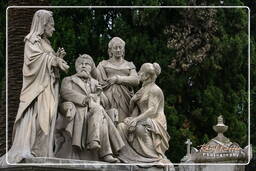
[(19, 22)]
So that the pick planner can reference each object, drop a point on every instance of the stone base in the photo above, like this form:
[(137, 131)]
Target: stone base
[(57, 164), (211, 168)]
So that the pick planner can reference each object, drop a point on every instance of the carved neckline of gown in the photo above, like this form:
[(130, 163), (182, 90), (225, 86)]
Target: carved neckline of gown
[(123, 66)]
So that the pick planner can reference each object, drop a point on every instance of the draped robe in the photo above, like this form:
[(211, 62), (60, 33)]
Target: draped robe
[(35, 120)]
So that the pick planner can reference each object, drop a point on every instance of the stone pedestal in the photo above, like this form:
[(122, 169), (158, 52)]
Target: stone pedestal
[(57, 164), (211, 168)]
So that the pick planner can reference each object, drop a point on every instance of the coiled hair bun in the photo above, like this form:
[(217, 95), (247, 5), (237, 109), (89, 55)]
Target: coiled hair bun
[(157, 68)]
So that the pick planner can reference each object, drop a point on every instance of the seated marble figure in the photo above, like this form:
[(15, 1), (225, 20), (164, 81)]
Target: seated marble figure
[(83, 124)]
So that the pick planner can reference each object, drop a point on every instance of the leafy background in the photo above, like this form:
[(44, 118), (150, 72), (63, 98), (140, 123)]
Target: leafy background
[(197, 88)]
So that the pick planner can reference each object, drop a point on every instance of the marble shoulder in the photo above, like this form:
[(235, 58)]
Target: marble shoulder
[(33, 41), (33, 45), (103, 62), (131, 65), (156, 91), (68, 78)]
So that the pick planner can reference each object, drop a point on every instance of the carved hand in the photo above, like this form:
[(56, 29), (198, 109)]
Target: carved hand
[(62, 64), (112, 80), (133, 122), (127, 120), (61, 53)]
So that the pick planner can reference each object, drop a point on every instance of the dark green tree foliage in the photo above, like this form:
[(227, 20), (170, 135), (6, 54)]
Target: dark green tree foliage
[(252, 5), (191, 37)]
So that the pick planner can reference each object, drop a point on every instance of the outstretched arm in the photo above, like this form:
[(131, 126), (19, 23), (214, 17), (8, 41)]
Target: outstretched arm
[(132, 79)]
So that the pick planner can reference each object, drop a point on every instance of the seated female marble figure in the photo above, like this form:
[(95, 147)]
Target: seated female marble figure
[(145, 133)]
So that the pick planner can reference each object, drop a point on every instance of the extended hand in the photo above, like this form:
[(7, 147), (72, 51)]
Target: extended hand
[(61, 53), (127, 120), (63, 65), (132, 124)]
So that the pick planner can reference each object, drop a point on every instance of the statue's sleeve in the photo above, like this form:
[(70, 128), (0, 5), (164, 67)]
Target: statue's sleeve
[(34, 51), (132, 79), (37, 70), (102, 76), (71, 95), (103, 99)]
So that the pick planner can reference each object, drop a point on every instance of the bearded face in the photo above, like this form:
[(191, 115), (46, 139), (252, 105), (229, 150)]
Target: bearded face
[(83, 74), (83, 68)]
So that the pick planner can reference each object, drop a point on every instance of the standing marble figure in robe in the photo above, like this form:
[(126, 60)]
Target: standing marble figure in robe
[(35, 120), (118, 77), (89, 125)]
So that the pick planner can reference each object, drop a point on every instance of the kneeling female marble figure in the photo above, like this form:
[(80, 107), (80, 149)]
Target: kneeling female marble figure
[(146, 131)]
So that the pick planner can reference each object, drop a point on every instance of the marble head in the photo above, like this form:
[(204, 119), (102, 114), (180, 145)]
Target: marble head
[(84, 65), (42, 24), (116, 47), (149, 71)]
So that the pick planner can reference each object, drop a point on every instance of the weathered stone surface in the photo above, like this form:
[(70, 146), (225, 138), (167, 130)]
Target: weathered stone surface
[(56, 164), (211, 168)]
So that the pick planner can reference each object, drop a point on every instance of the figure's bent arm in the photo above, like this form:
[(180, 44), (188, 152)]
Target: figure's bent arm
[(132, 79)]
